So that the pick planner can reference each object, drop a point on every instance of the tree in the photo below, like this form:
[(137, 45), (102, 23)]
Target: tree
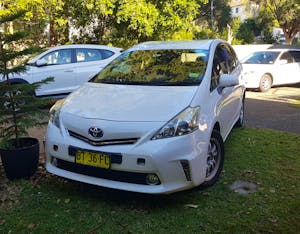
[(246, 31), (135, 21), (176, 19), (265, 23), (92, 21), (127, 22), (220, 14), (41, 16), (20, 109), (287, 15)]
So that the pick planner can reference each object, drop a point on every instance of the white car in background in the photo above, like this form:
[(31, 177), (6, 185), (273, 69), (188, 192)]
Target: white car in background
[(70, 65), (153, 121), (263, 69)]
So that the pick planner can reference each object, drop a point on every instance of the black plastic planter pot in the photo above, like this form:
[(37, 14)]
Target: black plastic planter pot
[(21, 162)]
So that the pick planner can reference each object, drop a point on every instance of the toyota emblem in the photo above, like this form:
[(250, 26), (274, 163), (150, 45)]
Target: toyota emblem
[(95, 132)]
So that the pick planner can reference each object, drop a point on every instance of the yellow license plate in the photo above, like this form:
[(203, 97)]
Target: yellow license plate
[(94, 159)]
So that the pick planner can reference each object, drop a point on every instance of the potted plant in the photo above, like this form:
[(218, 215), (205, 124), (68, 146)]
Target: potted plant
[(20, 109)]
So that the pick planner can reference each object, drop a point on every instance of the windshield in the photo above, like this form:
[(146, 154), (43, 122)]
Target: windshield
[(156, 67), (262, 57)]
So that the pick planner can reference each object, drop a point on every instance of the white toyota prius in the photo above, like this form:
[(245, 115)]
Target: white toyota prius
[(153, 121)]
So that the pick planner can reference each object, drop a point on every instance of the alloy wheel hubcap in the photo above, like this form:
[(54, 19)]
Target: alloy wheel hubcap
[(266, 83), (242, 113), (213, 159)]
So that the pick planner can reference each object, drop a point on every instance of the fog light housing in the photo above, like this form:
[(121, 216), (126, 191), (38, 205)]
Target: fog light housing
[(54, 161), (186, 168), (152, 179)]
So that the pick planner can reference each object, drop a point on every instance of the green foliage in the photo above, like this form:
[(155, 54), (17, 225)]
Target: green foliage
[(121, 23), (94, 20), (20, 109), (40, 14), (176, 16), (266, 23), (286, 13), (246, 32), (221, 14), (206, 34)]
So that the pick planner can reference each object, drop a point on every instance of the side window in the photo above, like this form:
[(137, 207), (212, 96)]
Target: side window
[(87, 55), (234, 60), (287, 56), (296, 56), (58, 57), (220, 65), (106, 54)]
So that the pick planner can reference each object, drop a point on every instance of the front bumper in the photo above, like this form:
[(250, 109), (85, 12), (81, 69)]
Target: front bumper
[(179, 162)]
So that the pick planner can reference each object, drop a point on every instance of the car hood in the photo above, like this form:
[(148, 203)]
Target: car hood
[(128, 102)]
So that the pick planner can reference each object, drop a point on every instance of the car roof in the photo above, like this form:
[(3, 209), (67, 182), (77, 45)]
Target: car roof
[(184, 44), (93, 46), (282, 49)]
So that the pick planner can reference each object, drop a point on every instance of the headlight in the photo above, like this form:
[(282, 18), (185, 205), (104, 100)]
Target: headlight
[(55, 111), (182, 124)]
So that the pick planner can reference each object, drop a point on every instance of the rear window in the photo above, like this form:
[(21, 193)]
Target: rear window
[(296, 56)]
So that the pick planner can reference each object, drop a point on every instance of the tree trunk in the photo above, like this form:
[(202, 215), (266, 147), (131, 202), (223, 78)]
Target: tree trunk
[(53, 36), (288, 40), (290, 31)]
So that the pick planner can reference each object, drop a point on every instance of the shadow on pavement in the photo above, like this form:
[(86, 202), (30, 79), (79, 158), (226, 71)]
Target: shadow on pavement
[(272, 114)]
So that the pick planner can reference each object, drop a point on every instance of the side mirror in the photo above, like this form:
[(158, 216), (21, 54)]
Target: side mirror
[(227, 80), (41, 62)]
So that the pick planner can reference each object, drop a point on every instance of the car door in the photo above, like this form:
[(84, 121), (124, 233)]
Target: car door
[(228, 101), (90, 61), (60, 66), (296, 66), (287, 68)]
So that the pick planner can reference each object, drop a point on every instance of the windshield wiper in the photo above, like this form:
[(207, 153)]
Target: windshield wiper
[(181, 83)]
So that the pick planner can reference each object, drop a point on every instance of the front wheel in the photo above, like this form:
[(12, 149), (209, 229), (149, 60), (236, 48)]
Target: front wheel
[(265, 83), (214, 160), (240, 122)]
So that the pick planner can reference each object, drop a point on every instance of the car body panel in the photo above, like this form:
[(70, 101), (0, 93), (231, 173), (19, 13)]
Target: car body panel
[(280, 71), (124, 103), (136, 112), (68, 75)]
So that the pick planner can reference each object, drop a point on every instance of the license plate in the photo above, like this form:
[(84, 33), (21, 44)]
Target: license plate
[(94, 159)]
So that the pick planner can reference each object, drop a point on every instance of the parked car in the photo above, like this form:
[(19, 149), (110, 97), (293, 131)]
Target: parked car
[(263, 69), (153, 121), (70, 65)]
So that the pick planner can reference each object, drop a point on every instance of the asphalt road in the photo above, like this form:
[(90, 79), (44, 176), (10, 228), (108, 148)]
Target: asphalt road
[(274, 109)]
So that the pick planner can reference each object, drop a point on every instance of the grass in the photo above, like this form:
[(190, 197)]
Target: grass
[(296, 103), (48, 204)]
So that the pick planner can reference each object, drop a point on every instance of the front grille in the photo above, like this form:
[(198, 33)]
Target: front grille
[(122, 176), (105, 142)]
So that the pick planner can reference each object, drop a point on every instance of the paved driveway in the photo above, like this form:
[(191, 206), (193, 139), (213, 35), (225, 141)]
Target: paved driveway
[(274, 109)]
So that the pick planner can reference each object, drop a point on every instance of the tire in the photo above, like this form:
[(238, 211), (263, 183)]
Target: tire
[(265, 83), (215, 159), (240, 122)]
